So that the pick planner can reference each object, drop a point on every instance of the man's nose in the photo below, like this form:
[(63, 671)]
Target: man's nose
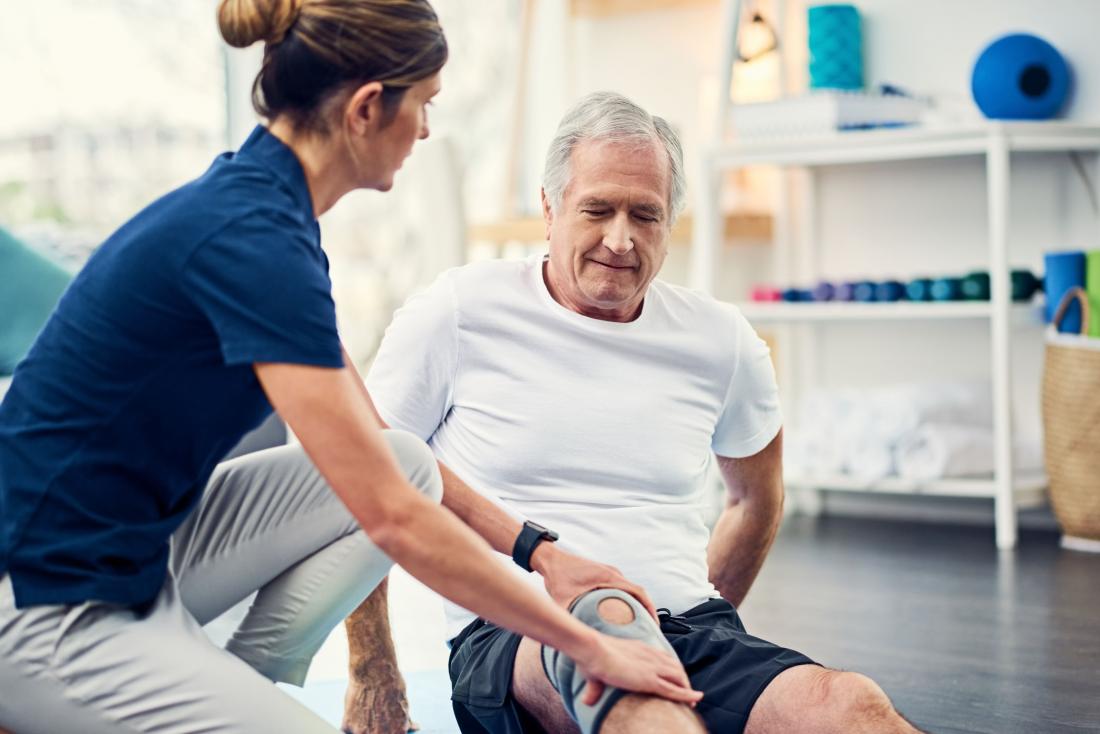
[(618, 236)]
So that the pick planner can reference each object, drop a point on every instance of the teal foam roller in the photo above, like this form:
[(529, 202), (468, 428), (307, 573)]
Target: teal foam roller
[(919, 289), (1024, 285), (836, 47), (976, 286), (946, 289)]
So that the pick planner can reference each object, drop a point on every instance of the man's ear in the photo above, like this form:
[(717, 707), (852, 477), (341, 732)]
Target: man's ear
[(547, 212), (364, 107)]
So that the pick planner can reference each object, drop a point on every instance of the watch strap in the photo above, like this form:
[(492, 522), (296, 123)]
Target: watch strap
[(528, 539)]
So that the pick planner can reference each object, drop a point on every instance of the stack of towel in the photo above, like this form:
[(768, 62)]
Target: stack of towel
[(917, 431)]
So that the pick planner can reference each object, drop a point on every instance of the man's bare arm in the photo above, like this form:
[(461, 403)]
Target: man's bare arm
[(746, 529)]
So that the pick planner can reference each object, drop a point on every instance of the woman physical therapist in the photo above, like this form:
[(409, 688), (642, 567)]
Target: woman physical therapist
[(118, 537)]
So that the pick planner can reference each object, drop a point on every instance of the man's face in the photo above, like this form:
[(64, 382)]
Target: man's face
[(609, 237)]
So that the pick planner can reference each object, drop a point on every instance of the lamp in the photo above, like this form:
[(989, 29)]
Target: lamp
[(757, 38)]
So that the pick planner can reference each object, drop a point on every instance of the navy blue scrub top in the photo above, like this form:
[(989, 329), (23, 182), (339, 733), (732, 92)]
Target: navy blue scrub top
[(142, 379)]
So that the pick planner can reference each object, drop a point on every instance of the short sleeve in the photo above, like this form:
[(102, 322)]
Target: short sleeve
[(750, 416), (263, 284), (412, 378)]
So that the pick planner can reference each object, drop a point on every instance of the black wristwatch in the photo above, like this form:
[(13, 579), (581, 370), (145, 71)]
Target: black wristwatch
[(529, 538)]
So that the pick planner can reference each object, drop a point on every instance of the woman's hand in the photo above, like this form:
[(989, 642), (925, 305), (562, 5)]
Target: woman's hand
[(633, 666), (567, 576)]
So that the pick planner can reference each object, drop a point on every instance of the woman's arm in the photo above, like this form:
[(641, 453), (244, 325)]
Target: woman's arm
[(340, 432), (566, 575)]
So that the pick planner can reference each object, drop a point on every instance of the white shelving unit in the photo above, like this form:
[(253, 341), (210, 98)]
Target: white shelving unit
[(900, 311), (1029, 490), (996, 142)]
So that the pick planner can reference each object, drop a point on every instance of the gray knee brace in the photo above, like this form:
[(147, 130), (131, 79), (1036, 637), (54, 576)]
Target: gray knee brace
[(563, 674)]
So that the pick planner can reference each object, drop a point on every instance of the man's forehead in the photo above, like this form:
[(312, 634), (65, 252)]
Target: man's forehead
[(606, 169), (642, 151)]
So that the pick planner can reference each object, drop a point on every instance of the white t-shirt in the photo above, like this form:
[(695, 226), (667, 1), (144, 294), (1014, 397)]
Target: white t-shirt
[(600, 430)]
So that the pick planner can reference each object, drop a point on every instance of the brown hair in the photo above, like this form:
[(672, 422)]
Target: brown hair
[(316, 48)]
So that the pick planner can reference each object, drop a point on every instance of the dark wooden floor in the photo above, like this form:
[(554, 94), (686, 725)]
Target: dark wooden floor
[(962, 637)]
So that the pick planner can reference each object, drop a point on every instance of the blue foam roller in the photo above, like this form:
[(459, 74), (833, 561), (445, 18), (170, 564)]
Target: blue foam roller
[(824, 291), (889, 290), (1020, 77), (843, 291), (863, 291), (919, 289), (1064, 270), (797, 295)]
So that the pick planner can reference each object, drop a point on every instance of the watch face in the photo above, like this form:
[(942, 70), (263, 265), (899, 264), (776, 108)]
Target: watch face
[(543, 531)]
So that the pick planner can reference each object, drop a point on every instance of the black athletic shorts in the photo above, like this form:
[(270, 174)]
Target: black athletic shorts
[(730, 667)]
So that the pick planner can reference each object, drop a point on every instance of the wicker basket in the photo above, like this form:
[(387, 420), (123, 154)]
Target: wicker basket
[(1071, 426)]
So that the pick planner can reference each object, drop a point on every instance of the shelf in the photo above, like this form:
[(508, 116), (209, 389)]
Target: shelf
[(792, 312), (742, 225), (607, 8), (1030, 488), (865, 146)]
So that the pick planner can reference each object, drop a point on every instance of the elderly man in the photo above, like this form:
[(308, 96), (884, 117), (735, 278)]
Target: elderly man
[(581, 396)]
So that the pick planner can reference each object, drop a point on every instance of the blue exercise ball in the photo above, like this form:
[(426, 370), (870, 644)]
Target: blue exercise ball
[(1020, 77)]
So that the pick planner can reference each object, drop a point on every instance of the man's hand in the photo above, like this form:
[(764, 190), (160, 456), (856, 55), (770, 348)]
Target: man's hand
[(568, 576)]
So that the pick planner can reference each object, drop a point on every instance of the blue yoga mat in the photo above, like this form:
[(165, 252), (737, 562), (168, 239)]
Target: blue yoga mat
[(1064, 270)]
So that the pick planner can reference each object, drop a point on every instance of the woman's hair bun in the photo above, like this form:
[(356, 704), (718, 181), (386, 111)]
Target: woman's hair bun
[(244, 22)]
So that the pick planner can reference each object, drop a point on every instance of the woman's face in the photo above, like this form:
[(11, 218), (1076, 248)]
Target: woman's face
[(393, 142)]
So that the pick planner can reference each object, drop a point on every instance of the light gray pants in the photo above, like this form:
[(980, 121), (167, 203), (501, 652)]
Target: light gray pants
[(267, 522)]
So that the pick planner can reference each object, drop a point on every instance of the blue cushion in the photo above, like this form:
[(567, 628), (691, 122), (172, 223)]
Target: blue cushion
[(30, 286)]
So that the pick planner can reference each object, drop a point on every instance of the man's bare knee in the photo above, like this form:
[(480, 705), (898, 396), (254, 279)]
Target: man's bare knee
[(615, 611), (640, 714), (835, 701), (852, 697), (863, 700)]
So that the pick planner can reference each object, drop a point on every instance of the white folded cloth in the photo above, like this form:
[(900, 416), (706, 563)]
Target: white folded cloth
[(869, 458), (858, 431), (896, 411), (942, 450)]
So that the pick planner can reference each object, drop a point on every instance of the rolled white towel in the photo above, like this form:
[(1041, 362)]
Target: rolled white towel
[(812, 452), (827, 423), (869, 458), (941, 450), (896, 411)]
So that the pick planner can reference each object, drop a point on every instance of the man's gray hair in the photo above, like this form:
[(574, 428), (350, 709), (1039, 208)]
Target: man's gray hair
[(607, 116)]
